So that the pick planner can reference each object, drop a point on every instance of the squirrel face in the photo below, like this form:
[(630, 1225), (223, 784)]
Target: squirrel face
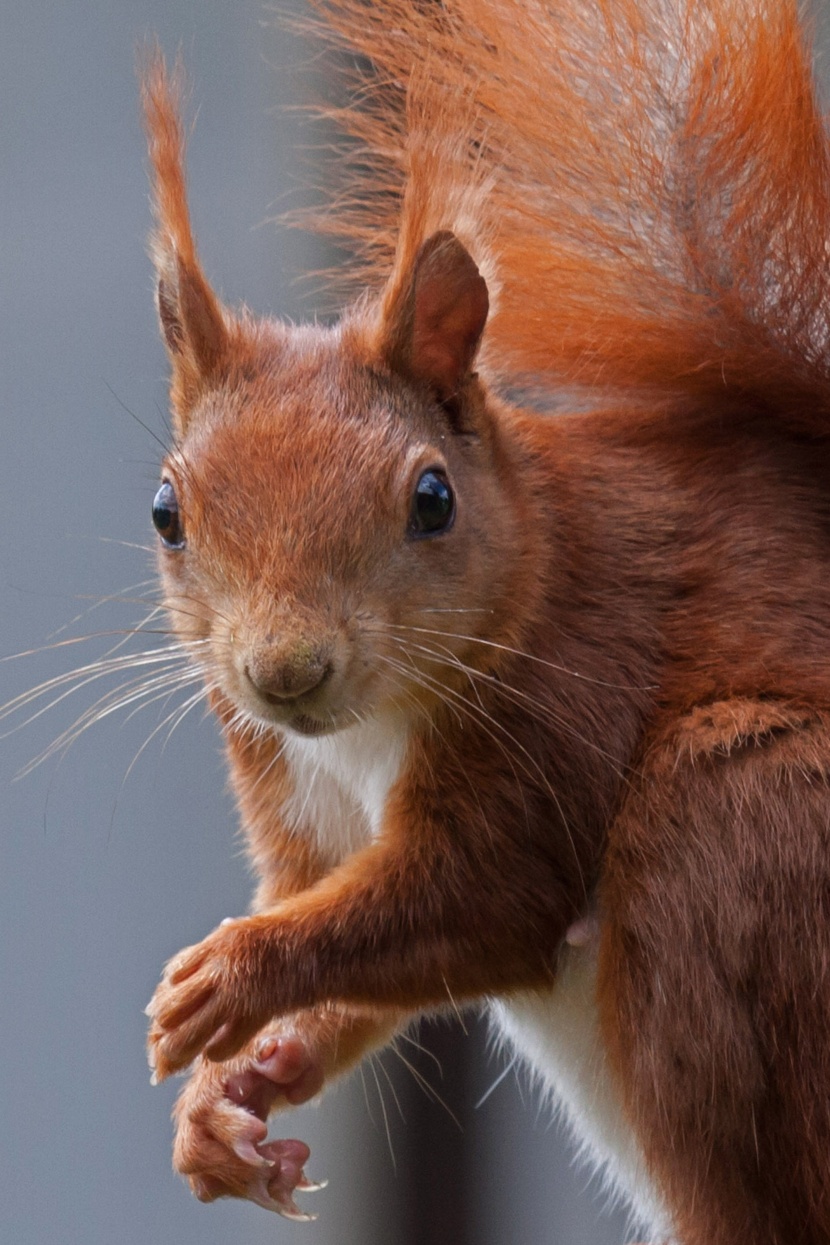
[(341, 519), (318, 520)]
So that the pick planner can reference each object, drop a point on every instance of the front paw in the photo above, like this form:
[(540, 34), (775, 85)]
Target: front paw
[(221, 1142), (209, 999)]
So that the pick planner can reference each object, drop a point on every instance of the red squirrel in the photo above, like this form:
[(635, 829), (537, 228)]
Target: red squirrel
[(526, 705)]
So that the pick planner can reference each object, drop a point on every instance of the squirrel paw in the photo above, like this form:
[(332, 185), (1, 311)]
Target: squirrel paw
[(204, 1001), (221, 1142)]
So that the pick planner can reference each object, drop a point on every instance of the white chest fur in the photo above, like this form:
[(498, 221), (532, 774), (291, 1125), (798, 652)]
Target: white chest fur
[(341, 782), (557, 1033)]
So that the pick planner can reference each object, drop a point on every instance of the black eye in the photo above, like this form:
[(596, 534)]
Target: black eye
[(433, 506), (166, 517)]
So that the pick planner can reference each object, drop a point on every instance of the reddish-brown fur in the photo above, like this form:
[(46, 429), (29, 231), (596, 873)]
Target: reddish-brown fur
[(633, 709)]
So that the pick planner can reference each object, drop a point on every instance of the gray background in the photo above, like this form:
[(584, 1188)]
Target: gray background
[(105, 873)]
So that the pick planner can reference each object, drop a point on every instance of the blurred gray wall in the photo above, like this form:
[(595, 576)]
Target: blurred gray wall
[(106, 870)]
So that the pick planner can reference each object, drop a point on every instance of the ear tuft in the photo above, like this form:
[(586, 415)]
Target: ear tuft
[(191, 318)]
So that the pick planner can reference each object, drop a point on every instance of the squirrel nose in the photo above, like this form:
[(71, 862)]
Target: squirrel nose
[(283, 673)]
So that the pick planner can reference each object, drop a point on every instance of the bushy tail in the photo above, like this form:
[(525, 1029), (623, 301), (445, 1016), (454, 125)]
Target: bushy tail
[(646, 183)]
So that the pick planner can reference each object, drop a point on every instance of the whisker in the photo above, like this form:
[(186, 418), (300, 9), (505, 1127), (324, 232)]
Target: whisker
[(362, 1070), (172, 683), (383, 1113), (432, 725), (179, 714), (70, 691), (113, 597), (140, 422), (411, 674), (544, 712), (128, 544), (125, 633), (459, 1017), (482, 718), (201, 608), (82, 677), (448, 609), (423, 1050), (391, 1085), (119, 698), (278, 751), (422, 1082), (413, 701), (517, 652), (505, 1072), (137, 630)]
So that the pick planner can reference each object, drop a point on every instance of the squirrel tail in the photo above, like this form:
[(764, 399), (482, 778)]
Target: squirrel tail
[(644, 183)]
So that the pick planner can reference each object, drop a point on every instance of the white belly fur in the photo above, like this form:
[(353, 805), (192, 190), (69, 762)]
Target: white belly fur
[(557, 1033)]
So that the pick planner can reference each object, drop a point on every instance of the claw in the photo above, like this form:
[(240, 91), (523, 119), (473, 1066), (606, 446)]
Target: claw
[(311, 1186), (247, 1151), (294, 1213), (266, 1047), (231, 1116), (288, 1209)]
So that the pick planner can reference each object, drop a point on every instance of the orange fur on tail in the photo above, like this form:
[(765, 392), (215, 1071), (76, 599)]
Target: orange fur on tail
[(647, 182)]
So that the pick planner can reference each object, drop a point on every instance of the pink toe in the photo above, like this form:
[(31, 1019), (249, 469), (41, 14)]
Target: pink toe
[(282, 1059), (305, 1086), (288, 1152)]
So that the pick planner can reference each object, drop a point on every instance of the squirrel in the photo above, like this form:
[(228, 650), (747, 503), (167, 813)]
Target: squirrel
[(510, 589)]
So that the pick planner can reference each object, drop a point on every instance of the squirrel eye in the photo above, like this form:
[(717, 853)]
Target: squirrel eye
[(433, 506), (166, 517)]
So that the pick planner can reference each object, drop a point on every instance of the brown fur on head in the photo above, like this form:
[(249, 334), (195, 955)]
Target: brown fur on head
[(295, 471)]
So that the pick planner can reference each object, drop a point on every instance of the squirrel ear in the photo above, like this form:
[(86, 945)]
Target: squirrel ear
[(192, 322), (189, 315), (434, 335)]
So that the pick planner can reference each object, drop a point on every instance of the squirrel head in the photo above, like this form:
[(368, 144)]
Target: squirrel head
[(337, 519)]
